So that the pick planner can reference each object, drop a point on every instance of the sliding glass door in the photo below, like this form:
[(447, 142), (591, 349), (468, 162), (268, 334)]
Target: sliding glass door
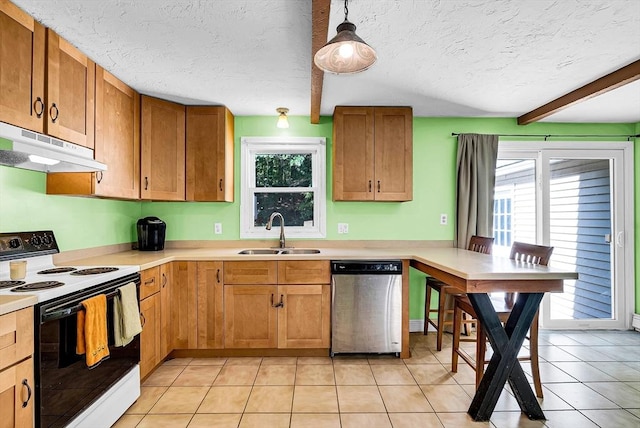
[(578, 201)]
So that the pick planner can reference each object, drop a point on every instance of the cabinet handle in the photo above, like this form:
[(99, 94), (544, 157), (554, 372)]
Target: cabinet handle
[(369, 185), (378, 186), (277, 305), (51, 110), (164, 280), (221, 184), (99, 177), (218, 277), (144, 320), (36, 103), (150, 281), (26, 383), (146, 183)]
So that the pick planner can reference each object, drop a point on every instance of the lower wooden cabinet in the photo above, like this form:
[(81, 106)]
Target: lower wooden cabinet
[(150, 336), (166, 284), (184, 304), (210, 305), (292, 313), (250, 316), (16, 395), (304, 319), (16, 368)]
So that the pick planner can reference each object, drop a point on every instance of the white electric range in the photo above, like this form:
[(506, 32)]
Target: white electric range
[(66, 392)]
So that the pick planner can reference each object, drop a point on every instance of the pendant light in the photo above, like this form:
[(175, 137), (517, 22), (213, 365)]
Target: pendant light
[(283, 121), (346, 53)]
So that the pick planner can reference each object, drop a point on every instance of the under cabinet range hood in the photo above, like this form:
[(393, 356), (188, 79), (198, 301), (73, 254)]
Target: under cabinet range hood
[(26, 149)]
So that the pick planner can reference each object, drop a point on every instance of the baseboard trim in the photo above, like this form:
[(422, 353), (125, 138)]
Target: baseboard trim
[(636, 322), (416, 326)]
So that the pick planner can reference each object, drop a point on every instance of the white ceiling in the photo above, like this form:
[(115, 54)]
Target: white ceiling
[(470, 58)]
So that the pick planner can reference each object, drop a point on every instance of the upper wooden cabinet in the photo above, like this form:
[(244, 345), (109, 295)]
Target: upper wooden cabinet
[(209, 154), (117, 144), (162, 159), (71, 91), (66, 109), (372, 154), (22, 49)]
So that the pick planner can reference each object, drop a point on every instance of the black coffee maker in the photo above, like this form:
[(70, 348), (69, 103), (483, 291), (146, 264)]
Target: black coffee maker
[(151, 231)]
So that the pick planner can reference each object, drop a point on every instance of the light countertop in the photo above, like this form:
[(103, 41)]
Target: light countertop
[(15, 303)]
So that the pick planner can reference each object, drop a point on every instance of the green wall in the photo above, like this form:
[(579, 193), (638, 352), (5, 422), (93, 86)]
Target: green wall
[(83, 223)]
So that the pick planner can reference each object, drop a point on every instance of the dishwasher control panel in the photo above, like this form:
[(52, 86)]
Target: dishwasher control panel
[(366, 267)]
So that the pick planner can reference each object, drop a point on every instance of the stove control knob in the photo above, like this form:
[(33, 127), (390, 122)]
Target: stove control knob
[(14, 243), (35, 240), (46, 240)]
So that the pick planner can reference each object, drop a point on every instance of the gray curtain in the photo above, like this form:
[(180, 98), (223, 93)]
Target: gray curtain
[(476, 177)]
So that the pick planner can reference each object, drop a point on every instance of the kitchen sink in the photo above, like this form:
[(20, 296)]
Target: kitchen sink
[(300, 251), (271, 251), (260, 251)]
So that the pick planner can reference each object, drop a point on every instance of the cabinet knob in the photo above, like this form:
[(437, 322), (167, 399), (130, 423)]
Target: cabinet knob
[(53, 109)]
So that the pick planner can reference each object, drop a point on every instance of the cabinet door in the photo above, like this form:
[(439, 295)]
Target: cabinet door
[(16, 336), (184, 303), (353, 154), (210, 306), (149, 282), (16, 395), (71, 87), (117, 144), (209, 154), (117, 137), (21, 68), (250, 316), (393, 154), (304, 319), (162, 161), (150, 336), (166, 279)]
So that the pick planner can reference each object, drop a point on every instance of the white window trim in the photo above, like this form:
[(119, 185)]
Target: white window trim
[(252, 145)]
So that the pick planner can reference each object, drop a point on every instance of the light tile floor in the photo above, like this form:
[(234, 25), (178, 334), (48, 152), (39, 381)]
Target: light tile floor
[(591, 379)]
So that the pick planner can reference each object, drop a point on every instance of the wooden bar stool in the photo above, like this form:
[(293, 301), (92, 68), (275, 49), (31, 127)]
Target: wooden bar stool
[(478, 244), (526, 253)]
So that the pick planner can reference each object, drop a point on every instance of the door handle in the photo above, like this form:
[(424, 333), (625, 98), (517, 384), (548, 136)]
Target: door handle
[(164, 280), (218, 280), (38, 103), (51, 110), (221, 184)]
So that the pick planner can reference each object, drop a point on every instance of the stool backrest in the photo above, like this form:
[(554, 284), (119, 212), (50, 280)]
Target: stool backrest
[(530, 253), (480, 244)]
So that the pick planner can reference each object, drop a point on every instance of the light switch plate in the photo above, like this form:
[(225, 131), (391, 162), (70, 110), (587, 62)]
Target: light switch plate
[(217, 228)]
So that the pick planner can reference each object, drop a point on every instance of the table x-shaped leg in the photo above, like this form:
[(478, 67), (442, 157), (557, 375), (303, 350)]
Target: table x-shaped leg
[(504, 365)]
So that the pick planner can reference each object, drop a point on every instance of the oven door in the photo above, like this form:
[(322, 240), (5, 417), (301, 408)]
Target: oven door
[(64, 385)]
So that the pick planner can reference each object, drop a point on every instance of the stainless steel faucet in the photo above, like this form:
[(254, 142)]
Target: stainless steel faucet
[(273, 215)]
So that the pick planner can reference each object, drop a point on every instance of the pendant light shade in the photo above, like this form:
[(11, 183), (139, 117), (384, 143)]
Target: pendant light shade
[(283, 121), (346, 53)]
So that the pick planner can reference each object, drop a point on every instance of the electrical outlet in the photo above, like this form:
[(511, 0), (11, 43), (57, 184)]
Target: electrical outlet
[(217, 228), (443, 219), (343, 228)]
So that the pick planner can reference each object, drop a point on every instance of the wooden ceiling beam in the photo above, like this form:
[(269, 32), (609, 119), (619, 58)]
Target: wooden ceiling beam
[(320, 29), (611, 81)]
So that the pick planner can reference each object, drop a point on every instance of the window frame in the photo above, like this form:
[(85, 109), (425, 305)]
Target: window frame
[(250, 147)]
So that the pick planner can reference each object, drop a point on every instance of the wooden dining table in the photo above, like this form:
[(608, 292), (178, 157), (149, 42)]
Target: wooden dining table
[(478, 275)]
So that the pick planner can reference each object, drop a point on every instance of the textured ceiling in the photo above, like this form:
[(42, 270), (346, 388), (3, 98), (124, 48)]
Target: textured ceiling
[(481, 58)]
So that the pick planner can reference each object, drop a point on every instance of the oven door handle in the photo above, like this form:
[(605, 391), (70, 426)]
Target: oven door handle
[(70, 310)]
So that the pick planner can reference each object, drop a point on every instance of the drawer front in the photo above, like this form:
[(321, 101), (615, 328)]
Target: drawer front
[(304, 272), (149, 282), (251, 272), (16, 336)]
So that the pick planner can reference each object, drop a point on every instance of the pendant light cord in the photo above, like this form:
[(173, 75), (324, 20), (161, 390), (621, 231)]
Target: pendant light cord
[(346, 9)]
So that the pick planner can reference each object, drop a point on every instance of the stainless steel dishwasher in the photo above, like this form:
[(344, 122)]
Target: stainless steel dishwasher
[(366, 306)]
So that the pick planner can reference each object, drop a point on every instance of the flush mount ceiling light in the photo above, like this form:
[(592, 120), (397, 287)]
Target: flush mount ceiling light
[(283, 121), (346, 53)]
